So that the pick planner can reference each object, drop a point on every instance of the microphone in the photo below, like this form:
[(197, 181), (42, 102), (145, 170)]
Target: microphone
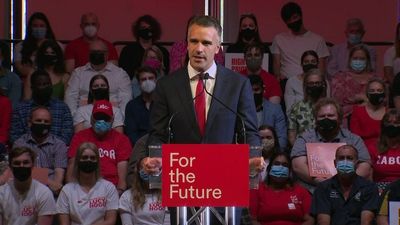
[(205, 78)]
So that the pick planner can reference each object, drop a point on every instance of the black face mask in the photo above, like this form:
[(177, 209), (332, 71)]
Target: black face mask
[(391, 131), (258, 99), (96, 58), (315, 91), (42, 95), (87, 166), (100, 93), (295, 26), (22, 173), (146, 33), (376, 98), (327, 125), (49, 60), (40, 130), (308, 67), (248, 34)]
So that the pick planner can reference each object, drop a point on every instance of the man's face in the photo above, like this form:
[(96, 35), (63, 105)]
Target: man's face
[(328, 111), (253, 53), (98, 53), (41, 82), (40, 116), (346, 153), (146, 76), (354, 29), (24, 160), (89, 20), (203, 44)]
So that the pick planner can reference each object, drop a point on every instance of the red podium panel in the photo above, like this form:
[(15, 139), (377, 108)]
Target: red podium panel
[(205, 175)]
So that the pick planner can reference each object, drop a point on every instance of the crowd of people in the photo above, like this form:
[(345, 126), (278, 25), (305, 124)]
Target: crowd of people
[(86, 113)]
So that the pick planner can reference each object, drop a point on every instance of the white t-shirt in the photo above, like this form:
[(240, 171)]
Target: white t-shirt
[(87, 208), (151, 214), (290, 48), (390, 60), (84, 113), (17, 209)]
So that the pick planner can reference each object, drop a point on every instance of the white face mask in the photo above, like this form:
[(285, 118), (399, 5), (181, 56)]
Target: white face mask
[(90, 31), (148, 86)]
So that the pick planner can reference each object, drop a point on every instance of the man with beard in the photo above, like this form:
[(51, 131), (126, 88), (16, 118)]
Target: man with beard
[(345, 198), (41, 96), (327, 115)]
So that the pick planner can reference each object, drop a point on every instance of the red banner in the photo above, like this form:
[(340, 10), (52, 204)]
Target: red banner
[(205, 175)]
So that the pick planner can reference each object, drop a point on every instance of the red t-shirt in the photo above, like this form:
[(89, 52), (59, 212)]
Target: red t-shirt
[(285, 207), (363, 125), (114, 148), (271, 84), (386, 165), (78, 49)]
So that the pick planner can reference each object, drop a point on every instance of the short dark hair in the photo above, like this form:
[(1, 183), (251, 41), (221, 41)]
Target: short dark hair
[(38, 73), (154, 24), (255, 45), (145, 69), (206, 21), (271, 160), (289, 9), (17, 151), (307, 53)]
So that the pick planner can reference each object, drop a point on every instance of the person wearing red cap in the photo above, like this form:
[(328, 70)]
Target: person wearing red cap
[(114, 147)]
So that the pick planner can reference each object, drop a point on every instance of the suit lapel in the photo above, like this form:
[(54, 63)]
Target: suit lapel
[(221, 80)]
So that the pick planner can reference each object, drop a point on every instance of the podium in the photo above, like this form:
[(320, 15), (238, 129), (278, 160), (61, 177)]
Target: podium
[(200, 177)]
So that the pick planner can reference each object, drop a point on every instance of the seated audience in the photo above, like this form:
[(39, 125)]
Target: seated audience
[(114, 147), (41, 96), (89, 199), (141, 205), (139, 148), (249, 33), (147, 31), (278, 200), (348, 87), (137, 112), (365, 120), (10, 84), (77, 51), (268, 113), (288, 47), (385, 150), (5, 121), (24, 200), (391, 195), (78, 85), (339, 57), (98, 90), (38, 30), (301, 116), (253, 54), (51, 151), (391, 60), (49, 57), (346, 198), (270, 145), (327, 116)]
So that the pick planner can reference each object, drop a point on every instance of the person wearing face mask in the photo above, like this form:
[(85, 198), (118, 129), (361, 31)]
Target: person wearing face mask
[(278, 200), (50, 150), (147, 31), (253, 54), (301, 116), (37, 31), (288, 47), (385, 150), (50, 58), (114, 147), (327, 116), (137, 114), (141, 205), (24, 200), (270, 146), (88, 199), (340, 52), (77, 51), (349, 87), (268, 113), (365, 120), (346, 198), (79, 84), (99, 90), (41, 96)]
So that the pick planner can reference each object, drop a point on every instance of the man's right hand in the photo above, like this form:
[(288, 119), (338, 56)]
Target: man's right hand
[(151, 165)]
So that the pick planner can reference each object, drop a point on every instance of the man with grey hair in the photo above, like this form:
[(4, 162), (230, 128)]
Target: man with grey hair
[(339, 58)]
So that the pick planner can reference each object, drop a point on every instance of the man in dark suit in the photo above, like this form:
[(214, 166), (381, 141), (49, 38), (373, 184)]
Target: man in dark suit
[(204, 119)]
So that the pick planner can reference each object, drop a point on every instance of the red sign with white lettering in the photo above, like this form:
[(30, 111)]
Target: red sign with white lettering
[(205, 175)]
